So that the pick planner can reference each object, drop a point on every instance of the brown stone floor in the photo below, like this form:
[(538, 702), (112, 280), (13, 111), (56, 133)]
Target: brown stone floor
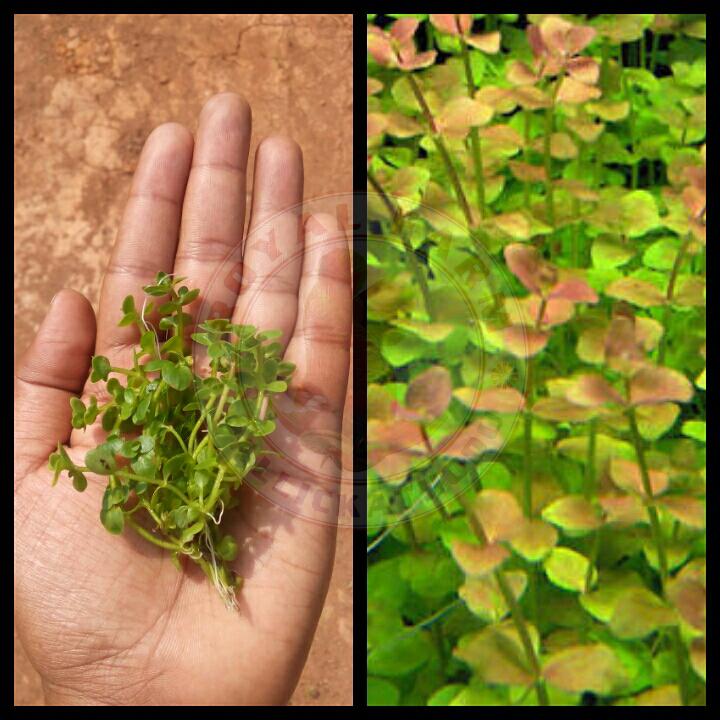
[(88, 90)]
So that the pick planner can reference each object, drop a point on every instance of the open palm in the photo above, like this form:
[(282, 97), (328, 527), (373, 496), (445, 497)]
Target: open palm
[(108, 620)]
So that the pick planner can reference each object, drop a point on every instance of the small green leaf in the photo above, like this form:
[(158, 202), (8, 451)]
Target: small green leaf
[(100, 368), (568, 569), (227, 548), (113, 520), (101, 460), (176, 376)]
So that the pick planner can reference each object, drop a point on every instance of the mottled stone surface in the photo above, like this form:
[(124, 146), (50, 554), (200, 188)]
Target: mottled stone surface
[(88, 90)]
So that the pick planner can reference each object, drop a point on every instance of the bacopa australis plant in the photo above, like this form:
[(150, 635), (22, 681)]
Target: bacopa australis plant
[(536, 359), (180, 442)]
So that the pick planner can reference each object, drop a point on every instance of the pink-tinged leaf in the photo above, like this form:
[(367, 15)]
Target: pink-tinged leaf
[(499, 400), (487, 42), (578, 38), (623, 509), (403, 30), (652, 385), (534, 539), (535, 39), (499, 99), (584, 69), (429, 393), (593, 391), (575, 290), (524, 342), (557, 310), (379, 46), (478, 437), (627, 476), (373, 86), (636, 291), (515, 224), (688, 510), (445, 23), (476, 559), (557, 409), (461, 114), (574, 92), (395, 435), (593, 668), (623, 352), (555, 31), (527, 173), (573, 513), (689, 598), (416, 62), (393, 467), (499, 514), (525, 263), (518, 73)]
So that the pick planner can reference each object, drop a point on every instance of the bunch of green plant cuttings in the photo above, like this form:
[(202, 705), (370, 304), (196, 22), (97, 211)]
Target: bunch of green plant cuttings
[(180, 445)]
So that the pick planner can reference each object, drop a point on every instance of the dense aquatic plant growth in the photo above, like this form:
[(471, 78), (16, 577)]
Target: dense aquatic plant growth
[(536, 359), (180, 440)]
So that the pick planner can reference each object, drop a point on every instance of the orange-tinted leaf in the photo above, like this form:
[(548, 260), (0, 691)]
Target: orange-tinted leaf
[(689, 598), (578, 189), (525, 263), (432, 332), (575, 92), (652, 385), (487, 42), (518, 73), (524, 342), (623, 509), (574, 289), (627, 476), (429, 393), (534, 539), (478, 437), (378, 45), (526, 172), (585, 130), (636, 291), (562, 147), (460, 114), (497, 655), (594, 668), (559, 409), (446, 23), (379, 403), (515, 224), (499, 514), (478, 559), (500, 400), (403, 29), (686, 509), (593, 391), (531, 97), (574, 513), (584, 69)]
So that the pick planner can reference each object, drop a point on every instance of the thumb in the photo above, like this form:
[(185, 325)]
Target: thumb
[(54, 368)]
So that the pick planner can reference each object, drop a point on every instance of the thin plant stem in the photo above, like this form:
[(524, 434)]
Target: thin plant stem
[(654, 51), (398, 227), (149, 536), (516, 613), (475, 142), (679, 258), (442, 150)]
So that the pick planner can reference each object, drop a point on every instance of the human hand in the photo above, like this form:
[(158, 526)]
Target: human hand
[(108, 620)]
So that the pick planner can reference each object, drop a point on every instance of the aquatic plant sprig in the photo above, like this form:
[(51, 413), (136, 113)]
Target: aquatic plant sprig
[(180, 442)]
